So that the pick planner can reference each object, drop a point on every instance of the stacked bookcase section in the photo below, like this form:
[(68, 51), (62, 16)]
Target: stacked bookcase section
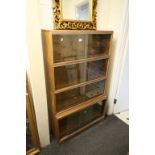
[(76, 66)]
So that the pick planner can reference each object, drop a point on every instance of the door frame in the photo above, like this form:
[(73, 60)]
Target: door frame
[(121, 69), (119, 60)]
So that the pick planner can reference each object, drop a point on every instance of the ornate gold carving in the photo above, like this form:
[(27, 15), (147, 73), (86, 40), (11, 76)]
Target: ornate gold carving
[(60, 24)]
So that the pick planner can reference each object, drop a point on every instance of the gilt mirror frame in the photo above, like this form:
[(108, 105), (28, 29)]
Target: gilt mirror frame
[(67, 24)]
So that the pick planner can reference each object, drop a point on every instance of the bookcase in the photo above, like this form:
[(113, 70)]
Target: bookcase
[(32, 137), (76, 69)]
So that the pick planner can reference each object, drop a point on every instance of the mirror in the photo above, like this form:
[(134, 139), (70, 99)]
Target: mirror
[(76, 10), (73, 14)]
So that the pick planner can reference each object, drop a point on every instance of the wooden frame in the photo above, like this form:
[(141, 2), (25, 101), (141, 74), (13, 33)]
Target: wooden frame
[(61, 24), (31, 120), (80, 84), (50, 85)]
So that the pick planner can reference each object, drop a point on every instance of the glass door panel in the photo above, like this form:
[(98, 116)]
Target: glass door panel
[(78, 95), (74, 47), (69, 47), (98, 44), (80, 119), (78, 73)]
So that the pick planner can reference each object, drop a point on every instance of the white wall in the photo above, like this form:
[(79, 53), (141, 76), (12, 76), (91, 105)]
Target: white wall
[(45, 13), (35, 70), (122, 93)]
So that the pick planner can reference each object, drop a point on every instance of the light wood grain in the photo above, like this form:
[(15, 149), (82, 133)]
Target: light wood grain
[(79, 107), (94, 58), (80, 84), (73, 32), (50, 85), (50, 67), (31, 120)]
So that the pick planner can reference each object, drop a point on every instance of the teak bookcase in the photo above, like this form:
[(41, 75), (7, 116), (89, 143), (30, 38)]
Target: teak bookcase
[(76, 65)]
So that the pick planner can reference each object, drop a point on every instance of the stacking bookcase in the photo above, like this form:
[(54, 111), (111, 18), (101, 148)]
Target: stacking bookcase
[(76, 67)]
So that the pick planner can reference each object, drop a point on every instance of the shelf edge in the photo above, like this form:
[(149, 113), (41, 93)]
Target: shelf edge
[(80, 84), (72, 62), (79, 107)]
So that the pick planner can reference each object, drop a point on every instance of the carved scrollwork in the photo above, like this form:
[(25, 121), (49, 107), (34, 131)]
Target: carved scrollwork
[(60, 24)]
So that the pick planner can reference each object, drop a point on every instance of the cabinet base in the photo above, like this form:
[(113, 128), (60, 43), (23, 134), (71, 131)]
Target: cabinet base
[(81, 129)]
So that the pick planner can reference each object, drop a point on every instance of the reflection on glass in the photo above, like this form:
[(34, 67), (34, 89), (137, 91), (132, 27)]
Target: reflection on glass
[(75, 10), (29, 143), (79, 119), (77, 73), (74, 47), (78, 95)]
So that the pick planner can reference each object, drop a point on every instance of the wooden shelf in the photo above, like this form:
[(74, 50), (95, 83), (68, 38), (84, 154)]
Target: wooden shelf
[(72, 32), (80, 84), (72, 62), (80, 106), (76, 96), (33, 151)]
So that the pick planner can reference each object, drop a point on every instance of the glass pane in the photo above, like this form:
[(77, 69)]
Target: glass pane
[(29, 143), (78, 95), (79, 119), (98, 44), (73, 47), (74, 74)]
